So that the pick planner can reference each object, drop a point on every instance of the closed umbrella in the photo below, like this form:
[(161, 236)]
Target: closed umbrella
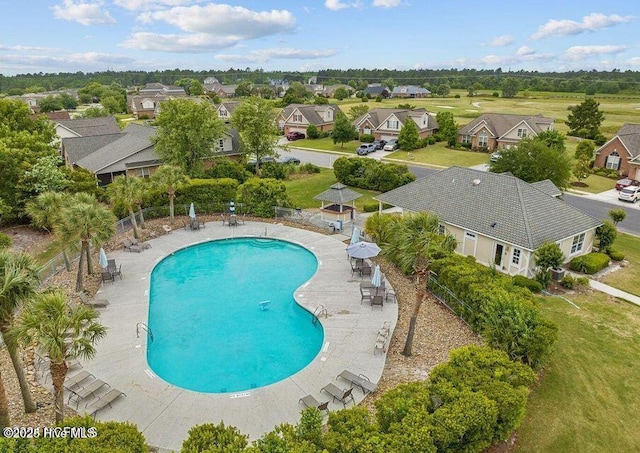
[(192, 212), (362, 250), (355, 235), (232, 207), (377, 277), (104, 262)]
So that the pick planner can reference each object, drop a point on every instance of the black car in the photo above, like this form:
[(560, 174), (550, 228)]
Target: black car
[(289, 160), (379, 144)]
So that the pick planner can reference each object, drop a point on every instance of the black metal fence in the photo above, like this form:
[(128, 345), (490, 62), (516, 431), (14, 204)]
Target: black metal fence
[(448, 298)]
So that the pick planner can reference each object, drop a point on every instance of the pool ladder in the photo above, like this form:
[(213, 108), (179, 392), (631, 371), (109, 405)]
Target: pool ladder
[(319, 311), (143, 327)]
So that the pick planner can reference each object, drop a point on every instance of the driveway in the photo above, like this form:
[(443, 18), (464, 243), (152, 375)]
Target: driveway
[(610, 196)]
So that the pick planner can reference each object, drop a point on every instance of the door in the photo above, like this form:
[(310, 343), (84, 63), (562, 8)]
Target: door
[(497, 259)]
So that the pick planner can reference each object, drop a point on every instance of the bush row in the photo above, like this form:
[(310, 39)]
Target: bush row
[(371, 174), (506, 315), (590, 263)]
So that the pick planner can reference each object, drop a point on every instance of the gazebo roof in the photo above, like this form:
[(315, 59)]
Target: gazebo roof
[(338, 193)]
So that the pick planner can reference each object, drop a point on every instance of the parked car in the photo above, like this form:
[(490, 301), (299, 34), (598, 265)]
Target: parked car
[(622, 183), (366, 148), (495, 156), (630, 193), (294, 135), (379, 144), (263, 160), (289, 160), (391, 145)]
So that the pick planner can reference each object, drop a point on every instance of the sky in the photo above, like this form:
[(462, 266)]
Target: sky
[(289, 35)]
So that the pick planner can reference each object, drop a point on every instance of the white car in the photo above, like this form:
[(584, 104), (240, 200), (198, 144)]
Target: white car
[(391, 145), (630, 193)]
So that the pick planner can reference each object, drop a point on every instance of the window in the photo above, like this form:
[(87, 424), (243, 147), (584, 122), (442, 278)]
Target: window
[(577, 244), (470, 235), (483, 140), (613, 161), (441, 229), (223, 113), (392, 124), (465, 139), (522, 132), (515, 258), (221, 144), (424, 120), (143, 172), (297, 118)]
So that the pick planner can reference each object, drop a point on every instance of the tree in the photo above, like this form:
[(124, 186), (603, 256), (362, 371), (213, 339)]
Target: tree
[(585, 150), (443, 90), (510, 87), (45, 175), (169, 178), (50, 104), (447, 128), (606, 235), (95, 112), (617, 215), (210, 437), (255, 121), (341, 93), (111, 105), (296, 94), (343, 130), (547, 256), (474, 88), (85, 220), (585, 119), (62, 332), (532, 160), (553, 139), (188, 132), (123, 191), (68, 101), (389, 83), (357, 111), (244, 89), (409, 136), (18, 283), (581, 169), (415, 242)]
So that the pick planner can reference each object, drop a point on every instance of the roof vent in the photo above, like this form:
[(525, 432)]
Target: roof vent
[(493, 225), (475, 182)]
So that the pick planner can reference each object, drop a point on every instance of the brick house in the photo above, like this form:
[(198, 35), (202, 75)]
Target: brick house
[(386, 123), (495, 130), (622, 152)]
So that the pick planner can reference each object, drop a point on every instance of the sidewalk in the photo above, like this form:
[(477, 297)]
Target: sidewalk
[(614, 292)]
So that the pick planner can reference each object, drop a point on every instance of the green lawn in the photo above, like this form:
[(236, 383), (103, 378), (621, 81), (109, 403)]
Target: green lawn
[(628, 278), (326, 144), (302, 190), (597, 184), (589, 394), (440, 155)]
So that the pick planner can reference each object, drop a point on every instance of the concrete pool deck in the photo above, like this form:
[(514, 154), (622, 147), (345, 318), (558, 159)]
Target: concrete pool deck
[(164, 413)]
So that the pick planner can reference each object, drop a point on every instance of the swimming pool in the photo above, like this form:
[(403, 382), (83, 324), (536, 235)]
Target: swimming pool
[(223, 317)]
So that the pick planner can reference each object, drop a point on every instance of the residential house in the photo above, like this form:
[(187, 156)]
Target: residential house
[(409, 91), (279, 87), (152, 89), (496, 130), (85, 127), (214, 86), (386, 123), (497, 218), (145, 107), (33, 99), (329, 91), (297, 117), (376, 89), (316, 89), (225, 110), (622, 152)]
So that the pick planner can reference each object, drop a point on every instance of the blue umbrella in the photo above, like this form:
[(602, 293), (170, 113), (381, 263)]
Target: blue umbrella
[(377, 277), (104, 262), (355, 235), (192, 211)]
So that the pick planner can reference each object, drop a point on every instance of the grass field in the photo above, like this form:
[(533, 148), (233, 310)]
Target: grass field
[(628, 278), (326, 144), (589, 395), (440, 155), (597, 184)]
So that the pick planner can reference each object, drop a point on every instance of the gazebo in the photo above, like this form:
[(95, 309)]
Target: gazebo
[(336, 208)]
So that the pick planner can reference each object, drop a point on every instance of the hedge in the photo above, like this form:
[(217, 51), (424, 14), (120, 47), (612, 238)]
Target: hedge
[(371, 174), (590, 263), (524, 282), (615, 255)]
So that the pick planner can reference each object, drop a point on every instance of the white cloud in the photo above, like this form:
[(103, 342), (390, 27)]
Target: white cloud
[(27, 48), (336, 5), (501, 41), (209, 27), (75, 61), (565, 27), (264, 55), (386, 3), (83, 13), (582, 52), (524, 50), (136, 5), (635, 61)]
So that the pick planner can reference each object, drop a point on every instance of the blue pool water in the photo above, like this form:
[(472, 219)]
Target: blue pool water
[(209, 331)]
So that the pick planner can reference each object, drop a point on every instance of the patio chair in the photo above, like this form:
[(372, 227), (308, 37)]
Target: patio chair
[(377, 300), (310, 401), (107, 277), (354, 267), (381, 343), (117, 271), (95, 303), (339, 394), (365, 270), (111, 265), (166, 228), (360, 380), (390, 296), (365, 295), (104, 400), (77, 379), (129, 246), (142, 245), (233, 220), (82, 393)]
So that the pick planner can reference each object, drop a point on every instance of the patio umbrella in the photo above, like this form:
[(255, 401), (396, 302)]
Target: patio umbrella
[(377, 277), (192, 211), (355, 235), (104, 262), (362, 250), (232, 207)]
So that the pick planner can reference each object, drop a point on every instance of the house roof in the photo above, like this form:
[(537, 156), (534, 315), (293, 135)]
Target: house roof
[(57, 115), (629, 135), (309, 111), (375, 90), (91, 126), (409, 89), (378, 116), (499, 124), (338, 193), (230, 106), (76, 148), (494, 205), (548, 187)]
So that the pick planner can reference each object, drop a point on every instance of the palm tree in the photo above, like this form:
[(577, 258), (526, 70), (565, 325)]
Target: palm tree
[(61, 332), (140, 187), (123, 190), (18, 283), (44, 211), (4, 405), (87, 221), (415, 242), (169, 178)]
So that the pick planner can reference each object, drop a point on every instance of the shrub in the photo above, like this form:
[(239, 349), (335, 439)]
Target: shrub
[(615, 255), (367, 138), (599, 139), (606, 235), (227, 168), (261, 195), (582, 281), (457, 96), (275, 170), (210, 437), (313, 132), (495, 94), (308, 168), (530, 284), (370, 207), (568, 281), (371, 174), (5, 241), (590, 263)]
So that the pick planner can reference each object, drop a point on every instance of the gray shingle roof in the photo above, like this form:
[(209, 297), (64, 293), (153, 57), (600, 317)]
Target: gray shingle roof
[(379, 115), (409, 89), (92, 126), (77, 148), (499, 123), (309, 111), (548, 187), (338, 193), (495, 205)]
